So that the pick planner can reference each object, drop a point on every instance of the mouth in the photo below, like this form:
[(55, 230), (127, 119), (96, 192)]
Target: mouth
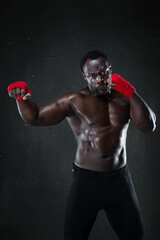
[(102, 89)]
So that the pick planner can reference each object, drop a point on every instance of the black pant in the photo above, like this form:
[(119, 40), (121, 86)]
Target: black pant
[(92, 191)]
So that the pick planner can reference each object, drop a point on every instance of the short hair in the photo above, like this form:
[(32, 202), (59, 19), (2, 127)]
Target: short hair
[(92, 55)]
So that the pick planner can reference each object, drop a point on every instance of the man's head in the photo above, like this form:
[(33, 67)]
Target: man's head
[(96, 71)]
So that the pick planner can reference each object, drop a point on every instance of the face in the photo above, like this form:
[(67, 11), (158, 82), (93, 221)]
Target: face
[(97, 72)]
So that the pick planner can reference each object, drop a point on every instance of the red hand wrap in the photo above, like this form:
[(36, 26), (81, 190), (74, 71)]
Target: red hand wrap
[(22, 85), (123, 86)]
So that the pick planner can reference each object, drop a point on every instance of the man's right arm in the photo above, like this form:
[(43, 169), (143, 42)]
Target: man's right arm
[(46, 115)]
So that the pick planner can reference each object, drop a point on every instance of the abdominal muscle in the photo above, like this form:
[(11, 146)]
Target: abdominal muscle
[(102, 149)]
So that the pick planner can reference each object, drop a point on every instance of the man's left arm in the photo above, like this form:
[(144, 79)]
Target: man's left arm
[(141, 114)]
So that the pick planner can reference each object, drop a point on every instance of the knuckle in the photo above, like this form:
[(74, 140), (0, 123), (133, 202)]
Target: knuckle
[(23, 91)]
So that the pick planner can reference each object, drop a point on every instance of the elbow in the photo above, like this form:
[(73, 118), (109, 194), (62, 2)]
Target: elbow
[(152, 127), (30, 121), (149, 128), (153, 123)]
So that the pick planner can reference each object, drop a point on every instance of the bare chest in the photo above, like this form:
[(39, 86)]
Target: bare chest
[(102, 111)]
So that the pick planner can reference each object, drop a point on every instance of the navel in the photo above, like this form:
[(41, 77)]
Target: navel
[(92, 124)]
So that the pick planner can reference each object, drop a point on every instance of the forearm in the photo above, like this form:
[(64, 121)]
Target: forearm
[(28, 111), (142, 114)]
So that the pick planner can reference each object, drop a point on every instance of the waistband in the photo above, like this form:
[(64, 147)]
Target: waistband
[(88, 172)]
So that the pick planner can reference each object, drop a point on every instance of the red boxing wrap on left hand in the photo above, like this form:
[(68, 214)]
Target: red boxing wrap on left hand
[(22, 85), (123, 86)]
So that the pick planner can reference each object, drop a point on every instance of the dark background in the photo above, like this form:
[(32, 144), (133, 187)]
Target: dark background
[(42, 43)]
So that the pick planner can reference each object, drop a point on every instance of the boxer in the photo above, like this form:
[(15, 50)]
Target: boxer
[(99, 116)]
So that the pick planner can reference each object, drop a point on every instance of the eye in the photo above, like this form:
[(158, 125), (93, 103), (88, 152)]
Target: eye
[(93, 75)]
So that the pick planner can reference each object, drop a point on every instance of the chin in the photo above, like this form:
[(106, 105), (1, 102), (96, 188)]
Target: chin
[(101, 93), (104, 92)]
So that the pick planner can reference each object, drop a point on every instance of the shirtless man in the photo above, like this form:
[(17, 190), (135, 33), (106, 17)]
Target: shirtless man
[(99, 116)]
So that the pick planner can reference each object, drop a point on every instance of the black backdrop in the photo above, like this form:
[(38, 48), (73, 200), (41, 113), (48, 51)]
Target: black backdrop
[(42, 43)]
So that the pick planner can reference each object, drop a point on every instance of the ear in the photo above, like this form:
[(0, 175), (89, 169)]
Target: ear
[(110, 68), (84, 76)]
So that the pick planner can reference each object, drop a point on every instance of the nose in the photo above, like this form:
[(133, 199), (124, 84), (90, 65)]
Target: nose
[(99, 80)]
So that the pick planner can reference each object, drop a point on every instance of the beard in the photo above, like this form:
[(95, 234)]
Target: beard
[(103, 90), (99, 91)]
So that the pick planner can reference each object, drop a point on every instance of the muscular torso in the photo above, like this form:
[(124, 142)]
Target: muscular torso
[(100, 124)]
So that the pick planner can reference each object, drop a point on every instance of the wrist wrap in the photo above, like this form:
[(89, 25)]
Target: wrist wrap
[(22, 85), (123, 86)]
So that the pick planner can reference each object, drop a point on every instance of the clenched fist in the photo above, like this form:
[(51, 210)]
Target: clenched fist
[(19, 91)]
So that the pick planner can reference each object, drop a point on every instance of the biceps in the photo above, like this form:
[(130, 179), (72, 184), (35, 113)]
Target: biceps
[(52, 114)]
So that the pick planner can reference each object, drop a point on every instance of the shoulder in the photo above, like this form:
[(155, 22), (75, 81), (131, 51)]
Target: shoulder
[(72, 96), (70, 100)]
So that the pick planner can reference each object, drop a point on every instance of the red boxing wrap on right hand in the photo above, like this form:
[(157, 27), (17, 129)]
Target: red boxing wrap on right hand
[(123, 86), (22, 85)]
